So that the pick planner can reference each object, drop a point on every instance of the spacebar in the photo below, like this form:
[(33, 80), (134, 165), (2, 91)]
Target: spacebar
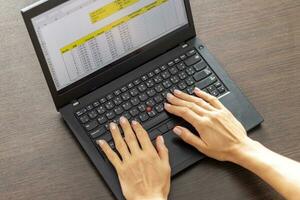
[(155, 121)]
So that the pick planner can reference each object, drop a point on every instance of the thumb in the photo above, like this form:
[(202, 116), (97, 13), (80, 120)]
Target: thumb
[(162, 149), (190, 138)]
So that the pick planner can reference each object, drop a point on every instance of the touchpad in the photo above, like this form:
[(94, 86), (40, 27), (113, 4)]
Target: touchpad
[(181, 154)]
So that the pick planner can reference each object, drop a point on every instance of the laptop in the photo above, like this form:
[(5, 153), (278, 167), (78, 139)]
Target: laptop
[(103, 59)]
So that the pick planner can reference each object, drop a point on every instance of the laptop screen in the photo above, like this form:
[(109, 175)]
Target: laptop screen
[(80, 37)]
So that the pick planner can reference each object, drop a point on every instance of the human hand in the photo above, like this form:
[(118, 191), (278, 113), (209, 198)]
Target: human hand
[(220, 135), (144, 173)]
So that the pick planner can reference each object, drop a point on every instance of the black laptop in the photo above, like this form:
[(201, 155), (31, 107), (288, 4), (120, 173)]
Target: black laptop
[(104, 59)]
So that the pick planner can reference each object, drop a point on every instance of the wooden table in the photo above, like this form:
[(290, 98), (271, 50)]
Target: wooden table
[(257, 42)]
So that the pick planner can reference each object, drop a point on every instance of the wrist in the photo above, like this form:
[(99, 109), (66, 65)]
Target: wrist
[(245, 151), (152, 197)]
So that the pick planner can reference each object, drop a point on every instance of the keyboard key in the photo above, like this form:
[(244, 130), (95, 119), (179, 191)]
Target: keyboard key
[(203, 74), (91, 125), (118, 101), (90, 107), (142, 87), (134, 112), (158, 98), (157, 71), (174, 79), (109, 105), (96, 104), (193, 60), (173, 70), (93, 114), (135, 101), (167, 84), (159, 108), (171, 63), (163, 128), (177, 60), (211, 88), (124, 89), (126, 115), (182, 86), (191, 53), (110, 115), (183, 57), (84, 119), (150, 103), (117, 92), (101, 110), (181, 66), (182, 75), (103, 100), (163, 68), (218, 84), (130, 85), (125, 96), (206, 82), (137, 82), (81, 112), (134, 92), (98, 132), (158, 79), (190, 71), (127, 106), (190, 81), (102, 119), (143, 97), (165, 75), (200, 66), (144, 78), (144, 117), (152, 113), (109, 97), (221, 89), (190, 90), (159, 88), (215, 93), (142, 107), (151, 74), (151, 93), (149, 83), (118, 110)]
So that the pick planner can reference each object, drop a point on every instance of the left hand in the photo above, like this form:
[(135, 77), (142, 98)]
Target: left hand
[(144, 173)]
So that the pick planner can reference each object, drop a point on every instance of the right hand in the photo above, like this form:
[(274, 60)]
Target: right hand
[(220, 135)]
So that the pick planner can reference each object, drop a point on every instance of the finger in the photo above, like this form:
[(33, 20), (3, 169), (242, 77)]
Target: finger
[(191, 105), (185, 113), (130, 137), (119, 142), (196, 100), (110, 154), (162, 149), (214, 101), (142, 136), (190, 138)]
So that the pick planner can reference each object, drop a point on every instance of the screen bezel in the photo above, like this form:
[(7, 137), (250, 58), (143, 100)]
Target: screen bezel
[(111, 71)]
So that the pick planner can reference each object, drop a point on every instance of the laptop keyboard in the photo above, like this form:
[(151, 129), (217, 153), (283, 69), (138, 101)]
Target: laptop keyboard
[(143, 98)]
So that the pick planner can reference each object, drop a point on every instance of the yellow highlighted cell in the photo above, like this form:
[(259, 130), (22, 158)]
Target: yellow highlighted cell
[(110, 9), (110, 26)]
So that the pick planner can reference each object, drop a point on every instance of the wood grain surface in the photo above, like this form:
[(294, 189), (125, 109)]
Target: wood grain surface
[(257, 41)]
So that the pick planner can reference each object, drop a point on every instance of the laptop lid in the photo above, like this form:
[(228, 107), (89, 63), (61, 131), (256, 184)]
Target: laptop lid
[(83, 44)]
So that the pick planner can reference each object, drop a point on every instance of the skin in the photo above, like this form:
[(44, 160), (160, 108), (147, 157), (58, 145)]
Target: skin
[(144, 172)]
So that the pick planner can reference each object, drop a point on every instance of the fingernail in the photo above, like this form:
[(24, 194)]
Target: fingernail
[(161, 138), (134, 122), (169, 96), (177, 91), (177, 131), (197, 89), (113, 125), (167, 105), (100, 142), (122, 120)]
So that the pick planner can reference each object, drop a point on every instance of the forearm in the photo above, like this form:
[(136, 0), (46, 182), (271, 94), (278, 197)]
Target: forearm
[(281, 173)]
